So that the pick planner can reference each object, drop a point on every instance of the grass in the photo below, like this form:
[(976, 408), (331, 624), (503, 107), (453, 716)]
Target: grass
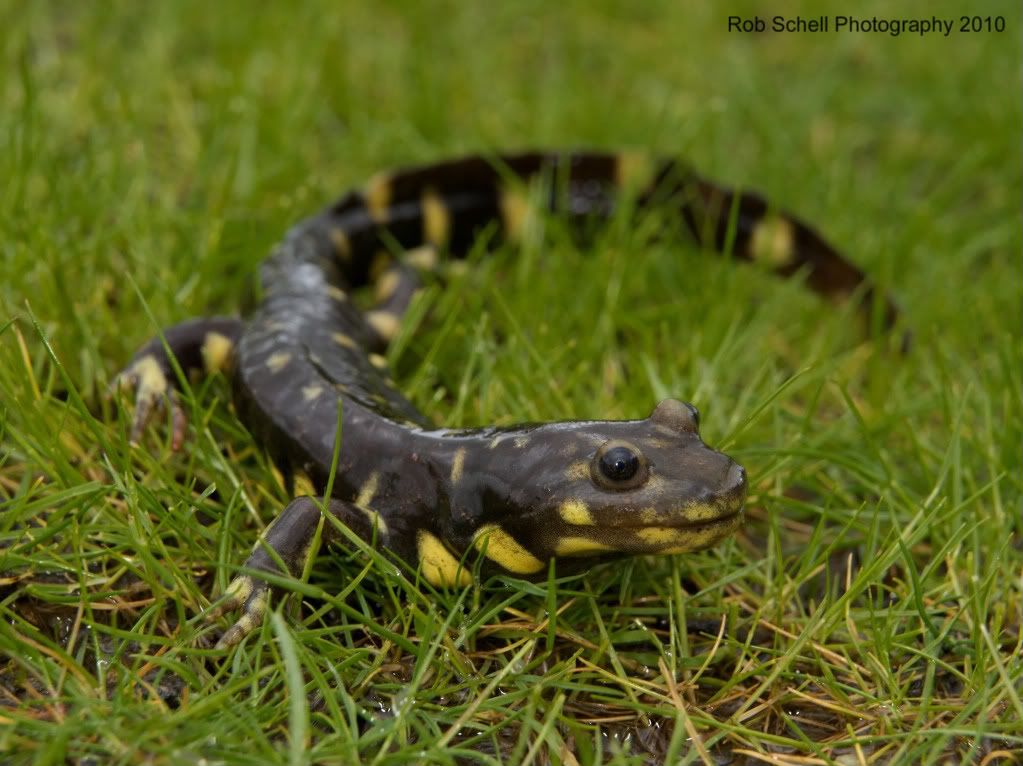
[(869, 612)]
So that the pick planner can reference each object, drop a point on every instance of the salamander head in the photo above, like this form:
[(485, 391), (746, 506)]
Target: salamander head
[(589, 488)]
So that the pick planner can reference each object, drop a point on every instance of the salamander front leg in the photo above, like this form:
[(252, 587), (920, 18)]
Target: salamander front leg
[(289, 540), (199, 344)]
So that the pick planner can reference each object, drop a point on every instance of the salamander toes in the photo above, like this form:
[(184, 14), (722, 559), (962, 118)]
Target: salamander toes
[(252, 596), (149, 376)]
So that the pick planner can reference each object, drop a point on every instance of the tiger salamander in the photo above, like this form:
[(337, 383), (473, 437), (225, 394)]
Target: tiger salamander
[(454, 502)]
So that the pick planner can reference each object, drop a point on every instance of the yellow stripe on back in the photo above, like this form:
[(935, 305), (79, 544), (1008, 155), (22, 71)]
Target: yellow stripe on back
[(515, 212), (436, 218), (378, 197), (634, 170), (773, 242)]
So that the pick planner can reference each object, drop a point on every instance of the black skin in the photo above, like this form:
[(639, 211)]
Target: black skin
[(517, 497)]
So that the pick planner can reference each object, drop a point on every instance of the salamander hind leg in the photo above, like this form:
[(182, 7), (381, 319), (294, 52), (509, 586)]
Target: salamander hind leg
[(197, 345), (288, 541)]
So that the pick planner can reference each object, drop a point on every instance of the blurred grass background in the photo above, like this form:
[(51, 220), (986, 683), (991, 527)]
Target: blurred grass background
[(869, 612)]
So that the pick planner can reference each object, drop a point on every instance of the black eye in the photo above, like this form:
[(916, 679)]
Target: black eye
[(619, 464)]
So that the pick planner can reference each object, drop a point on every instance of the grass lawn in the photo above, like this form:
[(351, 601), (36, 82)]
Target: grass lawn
[(871, 610)]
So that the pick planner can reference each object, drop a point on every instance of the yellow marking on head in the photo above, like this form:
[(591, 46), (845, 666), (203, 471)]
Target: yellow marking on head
[(694, 540), (368, 490), (505, 551), (384, 323), (387, 284), (311, 393), (521, 442), (439, 566), (773, 242), (458, 465), (342, 245), (515, 212), (303, 484), (578, 471), (696, 512), (634, 170), (495, 441), (378, 361), (436, 218), (579, 546), (378, 197), (660, 536), (337, 293), (575, 512), (676, 540), (345, 341), (278, 361), (217, 352), (423, 257), (150, 375)]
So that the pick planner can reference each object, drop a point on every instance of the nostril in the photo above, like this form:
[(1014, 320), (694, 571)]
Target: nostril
[(736, 476)]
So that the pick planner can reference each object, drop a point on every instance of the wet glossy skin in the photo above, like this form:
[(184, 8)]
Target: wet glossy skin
[(447, 502)]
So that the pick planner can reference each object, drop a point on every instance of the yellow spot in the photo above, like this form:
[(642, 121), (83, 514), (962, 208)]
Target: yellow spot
[(342, 245), (310, 393), (579, 546), (278, 361), (378, 361), (379, 264), (458, 465), (439, 566), (773, 242), (375, 520), (151, 379), (304, 484), (515, 212), (495, 441), (505, 551), (368, 490), (337, 293), (423, 258), (384, 322), (575, 512), (436, 218), (217, 350), (521, 442), (345, 341), (378, 197), (387, 285), (634, 170)]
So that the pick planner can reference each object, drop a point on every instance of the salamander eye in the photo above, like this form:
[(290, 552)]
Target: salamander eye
[(618, 465)]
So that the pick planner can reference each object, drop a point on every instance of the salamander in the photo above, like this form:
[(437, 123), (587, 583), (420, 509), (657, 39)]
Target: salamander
[(454, 502)]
